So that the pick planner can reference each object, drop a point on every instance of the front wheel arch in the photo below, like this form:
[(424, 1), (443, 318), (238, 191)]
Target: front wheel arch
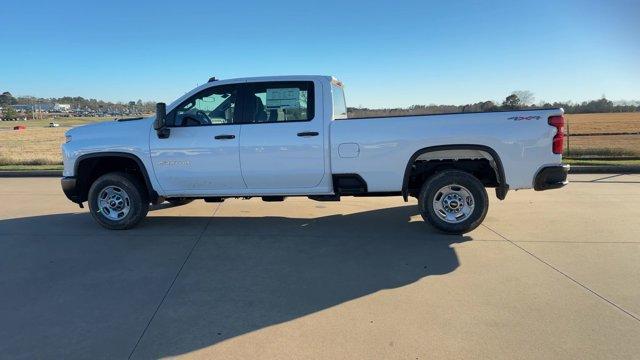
[(89, 167)]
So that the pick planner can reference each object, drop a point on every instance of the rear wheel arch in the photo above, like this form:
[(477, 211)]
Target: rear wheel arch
[(452, 161), (89, 167)]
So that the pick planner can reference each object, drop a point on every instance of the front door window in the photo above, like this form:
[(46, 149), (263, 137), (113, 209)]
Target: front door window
[(214, 106)]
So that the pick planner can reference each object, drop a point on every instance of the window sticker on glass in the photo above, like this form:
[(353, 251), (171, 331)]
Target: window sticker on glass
[(283, 98), (208, 103)]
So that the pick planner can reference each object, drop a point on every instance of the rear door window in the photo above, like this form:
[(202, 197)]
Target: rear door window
[(282, 101)]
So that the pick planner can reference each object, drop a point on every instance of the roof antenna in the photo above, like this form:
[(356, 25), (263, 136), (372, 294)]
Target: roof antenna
[(212, 79)]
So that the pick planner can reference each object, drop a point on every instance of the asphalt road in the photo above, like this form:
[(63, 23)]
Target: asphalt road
[(551, 274)]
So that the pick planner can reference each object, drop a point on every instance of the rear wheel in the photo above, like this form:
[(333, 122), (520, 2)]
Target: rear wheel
[(118, 201), (453, 201)]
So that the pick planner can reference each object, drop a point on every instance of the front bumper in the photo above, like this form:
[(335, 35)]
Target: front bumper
[(551, 177), (71, 188)]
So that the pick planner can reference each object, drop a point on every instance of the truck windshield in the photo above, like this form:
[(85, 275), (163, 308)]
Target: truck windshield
[(339, 105)]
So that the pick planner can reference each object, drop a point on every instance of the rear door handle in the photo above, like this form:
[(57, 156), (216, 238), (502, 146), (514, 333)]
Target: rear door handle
[(308, 133), (225, 137)]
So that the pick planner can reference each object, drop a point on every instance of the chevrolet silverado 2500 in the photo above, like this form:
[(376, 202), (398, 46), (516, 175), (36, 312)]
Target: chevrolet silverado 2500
[(274, 137)]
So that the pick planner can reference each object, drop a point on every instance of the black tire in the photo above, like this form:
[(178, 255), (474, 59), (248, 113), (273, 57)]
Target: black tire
[(138, 204), (432, 187), (179, 201)]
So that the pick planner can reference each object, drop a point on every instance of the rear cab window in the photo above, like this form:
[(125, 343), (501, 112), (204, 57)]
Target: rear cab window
[(339, 104)]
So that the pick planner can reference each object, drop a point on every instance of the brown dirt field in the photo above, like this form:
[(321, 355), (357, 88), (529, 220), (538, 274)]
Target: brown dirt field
[(600, 123), (621, 145)]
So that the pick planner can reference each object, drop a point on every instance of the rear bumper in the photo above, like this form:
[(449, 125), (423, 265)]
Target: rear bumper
[(551, 177), (70, 188)]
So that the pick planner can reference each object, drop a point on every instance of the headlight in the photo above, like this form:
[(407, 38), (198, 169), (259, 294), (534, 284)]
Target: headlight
[(67, 138)]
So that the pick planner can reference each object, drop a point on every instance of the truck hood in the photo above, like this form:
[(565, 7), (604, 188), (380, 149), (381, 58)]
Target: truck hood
[(110, 128)]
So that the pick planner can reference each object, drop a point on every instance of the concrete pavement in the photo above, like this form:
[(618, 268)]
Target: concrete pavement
[(549, 275)]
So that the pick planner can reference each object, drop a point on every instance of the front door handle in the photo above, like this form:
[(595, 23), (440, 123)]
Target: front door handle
[(308, 133), (225, 137)]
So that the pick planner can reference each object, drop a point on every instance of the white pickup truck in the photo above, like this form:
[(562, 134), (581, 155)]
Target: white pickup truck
[(282, 136)]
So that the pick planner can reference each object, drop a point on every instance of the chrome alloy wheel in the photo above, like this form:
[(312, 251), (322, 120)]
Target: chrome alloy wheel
[(453, 203), (114, 203)]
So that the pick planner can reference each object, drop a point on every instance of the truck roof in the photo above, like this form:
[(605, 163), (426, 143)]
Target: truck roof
[(280, 78), (212, 82)]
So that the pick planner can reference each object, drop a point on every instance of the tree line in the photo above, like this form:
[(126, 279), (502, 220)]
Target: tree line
[(517, 100), (77, 102)]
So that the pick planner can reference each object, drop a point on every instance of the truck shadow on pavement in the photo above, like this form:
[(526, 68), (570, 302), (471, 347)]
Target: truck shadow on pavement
[(244, 274)]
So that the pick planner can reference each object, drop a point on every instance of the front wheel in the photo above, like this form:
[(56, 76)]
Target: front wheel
[(453, 201), (118, 201)]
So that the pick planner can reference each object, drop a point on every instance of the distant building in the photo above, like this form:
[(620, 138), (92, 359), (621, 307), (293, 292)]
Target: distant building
[(45, 107), (23, 107), (61, 107)]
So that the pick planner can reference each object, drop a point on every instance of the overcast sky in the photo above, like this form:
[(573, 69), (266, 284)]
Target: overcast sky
[(388, 53)]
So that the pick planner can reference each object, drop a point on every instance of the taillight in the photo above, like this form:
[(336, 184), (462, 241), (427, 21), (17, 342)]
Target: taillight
[(558, 139)]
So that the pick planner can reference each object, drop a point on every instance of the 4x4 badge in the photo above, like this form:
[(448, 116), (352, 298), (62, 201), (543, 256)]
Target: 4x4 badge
[(520, 118)]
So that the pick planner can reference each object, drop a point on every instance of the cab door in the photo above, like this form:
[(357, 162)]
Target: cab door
[(201, 154), (281, 143)]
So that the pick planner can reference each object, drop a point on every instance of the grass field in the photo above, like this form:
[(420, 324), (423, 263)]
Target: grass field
[(602, 162), (29, 167), (63, 121), (39, 146)]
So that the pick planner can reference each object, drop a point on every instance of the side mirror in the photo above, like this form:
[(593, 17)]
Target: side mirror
[(161, 116), (160, 124)]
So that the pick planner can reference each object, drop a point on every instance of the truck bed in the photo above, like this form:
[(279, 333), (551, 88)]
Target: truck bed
[(449, 113), (522, 140)]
